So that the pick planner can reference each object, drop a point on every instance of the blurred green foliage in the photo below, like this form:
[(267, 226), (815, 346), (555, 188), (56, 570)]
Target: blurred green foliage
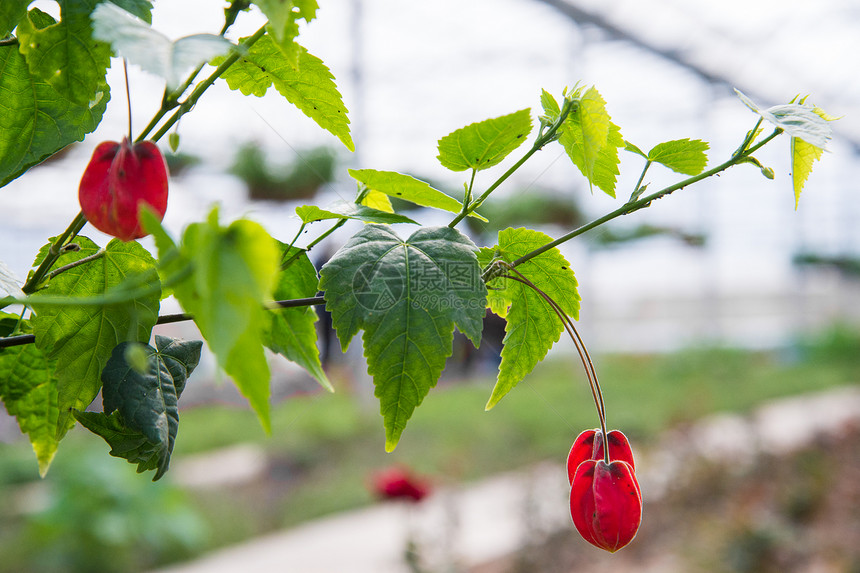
[(299, 179)]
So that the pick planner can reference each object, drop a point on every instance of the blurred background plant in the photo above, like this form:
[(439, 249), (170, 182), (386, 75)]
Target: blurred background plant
[(300, 178)]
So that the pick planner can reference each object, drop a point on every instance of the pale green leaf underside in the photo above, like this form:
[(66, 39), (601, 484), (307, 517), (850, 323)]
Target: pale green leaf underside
[(292, 332), (484, 144), (407, 296), (532, 326), (796, 119), (80, 338), (409, 189), (343, 209), (310, 87), (685, 156)]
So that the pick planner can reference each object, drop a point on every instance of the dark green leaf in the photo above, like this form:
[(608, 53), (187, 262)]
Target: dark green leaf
[(80, 338), (685, 156), (141, 413), (532, 326), (65, 55), (292, 331), (37, 120), (312, 213), (11, 11), (407, 296), (484, 144), (140, 8), (310, 87)]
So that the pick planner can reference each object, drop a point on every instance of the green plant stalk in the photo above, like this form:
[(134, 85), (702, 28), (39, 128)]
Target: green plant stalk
[(54, 253), (632, 206), (198, 91), (312, 244), (97, 255), (540, 142)]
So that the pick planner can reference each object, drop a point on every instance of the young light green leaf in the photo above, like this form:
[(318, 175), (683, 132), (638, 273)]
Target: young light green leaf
[(283, 24), (550, 106), (486, 143), (64, 54), (376, 200), (37, 119), (592, 141), (407, 296), (633, 149), (28, 388), (141, 413), (532, 326), (11, 11), (292, 332), (154, 52), (234, 272), (341, 209), (796, 119), (685, 156), (803, 155), (80, 338), (310, 87), (408, 188)]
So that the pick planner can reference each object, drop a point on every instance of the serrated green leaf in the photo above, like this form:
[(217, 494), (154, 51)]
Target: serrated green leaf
[(486, 143), (283, 24), (28, 388), (532, 326), (550, 106), (311, 87), (592, 141), (65, 54), (80, 338), (796, 119), (685, 156), (312, 213), (141, 411), (407, 296), (292, 332), (234, 272), (37, 120), (409, 189), (803, 155), (11, 11), (140, 44)]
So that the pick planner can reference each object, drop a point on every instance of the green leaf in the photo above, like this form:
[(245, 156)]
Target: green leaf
[(234, 272), (28, 388), (292, 332), (408, 188), (37, 119), (803, 155), (532, 326), (484, 144), (140, 8), (550, 106), (376, 200), (592, 141), (797, 120), (311, 87), (80, 338), (64, 53), (633, 149), (407, 296), (685, 156), (154, 52), (141, 413), (11, 11), (283, 24), (312, 213)]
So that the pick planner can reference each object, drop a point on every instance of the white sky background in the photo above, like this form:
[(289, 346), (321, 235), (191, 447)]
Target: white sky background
[(428, 68)]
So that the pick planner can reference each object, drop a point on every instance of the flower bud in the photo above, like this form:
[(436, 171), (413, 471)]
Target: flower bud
[(605, 503), (589, 446)]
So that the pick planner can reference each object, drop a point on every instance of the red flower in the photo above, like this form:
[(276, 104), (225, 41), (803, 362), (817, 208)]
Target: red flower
[(589, 446), (399, 483), (605, 503)]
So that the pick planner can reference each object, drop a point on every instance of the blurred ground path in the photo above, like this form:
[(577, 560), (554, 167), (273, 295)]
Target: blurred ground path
[(488, 520)]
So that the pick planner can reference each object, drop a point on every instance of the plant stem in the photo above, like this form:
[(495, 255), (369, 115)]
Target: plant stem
[(632, 206), (22, 339), (54, 253), (540, 142), (313, 243), (191, 100), (97, 255)]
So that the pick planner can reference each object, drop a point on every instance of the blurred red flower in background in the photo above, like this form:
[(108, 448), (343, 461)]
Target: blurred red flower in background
[(399, 483)]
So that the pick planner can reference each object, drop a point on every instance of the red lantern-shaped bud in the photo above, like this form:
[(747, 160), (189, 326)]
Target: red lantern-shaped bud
[(118, 179), (589, 446), (605, 503)]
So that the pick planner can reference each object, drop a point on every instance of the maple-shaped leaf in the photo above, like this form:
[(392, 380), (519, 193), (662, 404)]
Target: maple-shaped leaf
[(486, 143), (685, 156), (407, 296), (532, 325), (141, 412)]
